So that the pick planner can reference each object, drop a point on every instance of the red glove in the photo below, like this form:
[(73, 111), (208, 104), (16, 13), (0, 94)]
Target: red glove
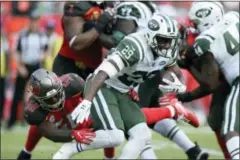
[(134, 95), (166, 99), (84, 135)]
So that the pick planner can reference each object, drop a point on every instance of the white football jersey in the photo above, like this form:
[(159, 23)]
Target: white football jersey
[(222, 40), (139, 60)]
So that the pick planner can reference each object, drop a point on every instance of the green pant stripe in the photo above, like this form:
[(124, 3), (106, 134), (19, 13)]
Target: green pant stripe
[(228, 107), (106, 110), (97, 108), (102, 111), (234, 109)]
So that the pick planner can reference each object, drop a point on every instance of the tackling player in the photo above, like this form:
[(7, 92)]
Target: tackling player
[(49, 115), (83, 24)]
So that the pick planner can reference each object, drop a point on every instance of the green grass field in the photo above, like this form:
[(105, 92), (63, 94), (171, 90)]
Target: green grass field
[(12, 142)]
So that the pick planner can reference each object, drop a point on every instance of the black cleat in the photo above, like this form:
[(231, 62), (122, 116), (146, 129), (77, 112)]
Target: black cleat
[(196, 153), (24, 156)]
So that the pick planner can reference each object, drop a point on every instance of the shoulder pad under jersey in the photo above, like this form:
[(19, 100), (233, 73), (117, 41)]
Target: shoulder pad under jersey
[(73, 84), (76, 8)]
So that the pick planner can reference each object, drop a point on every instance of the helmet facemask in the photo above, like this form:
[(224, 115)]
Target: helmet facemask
[(162, 45), (54, 101)]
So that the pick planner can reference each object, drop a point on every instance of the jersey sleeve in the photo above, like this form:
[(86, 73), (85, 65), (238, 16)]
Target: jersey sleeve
[(130, 50), (73, 84), (202, 44), (76, 8), (33, 113)]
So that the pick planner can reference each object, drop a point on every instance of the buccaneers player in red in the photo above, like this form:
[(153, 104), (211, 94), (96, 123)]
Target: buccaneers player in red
[(54, 98), (83, 23)]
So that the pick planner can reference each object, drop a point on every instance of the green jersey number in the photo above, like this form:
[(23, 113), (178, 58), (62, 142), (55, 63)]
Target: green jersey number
[(231, 42), (136, 78)]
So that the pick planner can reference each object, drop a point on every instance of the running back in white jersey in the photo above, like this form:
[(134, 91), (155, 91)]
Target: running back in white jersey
[(139, 60), (222, 40), (136, 11)]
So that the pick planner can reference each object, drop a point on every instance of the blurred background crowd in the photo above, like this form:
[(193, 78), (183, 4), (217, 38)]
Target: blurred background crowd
[(31, 36)]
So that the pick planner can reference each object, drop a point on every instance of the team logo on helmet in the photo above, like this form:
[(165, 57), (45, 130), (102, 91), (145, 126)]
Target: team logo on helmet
[(204, 12), (153, 25), (35, 90)]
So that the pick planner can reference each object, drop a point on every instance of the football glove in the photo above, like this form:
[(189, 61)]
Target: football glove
[(84, 135), (82, 111), (176, 86)]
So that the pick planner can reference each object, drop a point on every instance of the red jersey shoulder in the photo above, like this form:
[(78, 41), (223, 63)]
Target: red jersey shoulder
[(33, 113), (76, 8), (72, 83)]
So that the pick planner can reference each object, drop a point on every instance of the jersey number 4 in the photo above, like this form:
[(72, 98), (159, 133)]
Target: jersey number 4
[(232, 43)]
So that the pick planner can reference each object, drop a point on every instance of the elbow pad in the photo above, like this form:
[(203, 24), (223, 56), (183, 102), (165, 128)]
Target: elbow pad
[(110, 68)]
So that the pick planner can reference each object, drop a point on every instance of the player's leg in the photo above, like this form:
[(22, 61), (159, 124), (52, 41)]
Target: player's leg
[(32, 139), (107, 122), (134, 122), (215, 117), (230, 127), (168, 127)]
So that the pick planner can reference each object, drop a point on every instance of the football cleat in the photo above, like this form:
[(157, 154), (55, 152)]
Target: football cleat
[(184, 114), (196, 153), (24, 156)]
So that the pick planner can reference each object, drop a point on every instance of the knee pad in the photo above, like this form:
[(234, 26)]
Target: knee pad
[(140, 132), (164, 126)]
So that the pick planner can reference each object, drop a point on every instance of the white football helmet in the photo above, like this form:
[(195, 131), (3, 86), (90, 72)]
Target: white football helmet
[(205, 14), (162, 34)]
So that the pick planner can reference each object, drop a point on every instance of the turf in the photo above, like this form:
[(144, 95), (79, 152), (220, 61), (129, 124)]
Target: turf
[(12, 142)]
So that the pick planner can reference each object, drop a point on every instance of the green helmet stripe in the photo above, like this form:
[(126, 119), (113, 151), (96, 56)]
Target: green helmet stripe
[(168, 24), (217, 3), (173, 26), (142, 10)]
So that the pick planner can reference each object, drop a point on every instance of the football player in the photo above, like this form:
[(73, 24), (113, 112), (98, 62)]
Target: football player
[(52, 101), (217, 52), (84, 24), (136, 58)]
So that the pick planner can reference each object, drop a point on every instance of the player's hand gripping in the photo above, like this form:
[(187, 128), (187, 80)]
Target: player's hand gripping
[(84, 135), (82, 111), (172, 86)]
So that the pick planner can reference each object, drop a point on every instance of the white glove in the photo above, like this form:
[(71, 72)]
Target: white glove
[(176, 86), (82, 111)]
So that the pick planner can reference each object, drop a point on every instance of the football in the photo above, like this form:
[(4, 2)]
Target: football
[(167, 75)]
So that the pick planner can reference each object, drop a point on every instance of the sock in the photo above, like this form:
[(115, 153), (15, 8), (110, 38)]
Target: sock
[(233, 147), (168, 128), (139, 136), (148, 152), (32, 139), (153, 115), (222, 145), (109, 153), (103, 139)]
